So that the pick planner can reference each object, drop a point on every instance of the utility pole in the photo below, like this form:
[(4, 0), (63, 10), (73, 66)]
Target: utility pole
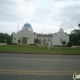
[(18, 27)]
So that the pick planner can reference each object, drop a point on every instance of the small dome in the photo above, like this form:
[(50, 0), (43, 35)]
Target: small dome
[(27, 25)]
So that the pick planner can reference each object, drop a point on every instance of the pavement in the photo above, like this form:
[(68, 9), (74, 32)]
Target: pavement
[(34, 77), (38, 67)]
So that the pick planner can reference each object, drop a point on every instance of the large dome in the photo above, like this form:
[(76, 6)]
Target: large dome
[(27, 25)]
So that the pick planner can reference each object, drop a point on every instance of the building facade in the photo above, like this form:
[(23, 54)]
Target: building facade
[(27, 36)]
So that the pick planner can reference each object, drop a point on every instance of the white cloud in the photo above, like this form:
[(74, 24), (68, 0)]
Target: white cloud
[(70, 16), (45, 16)]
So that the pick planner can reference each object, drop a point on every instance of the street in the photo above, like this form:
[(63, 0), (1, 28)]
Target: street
[(38, 67)]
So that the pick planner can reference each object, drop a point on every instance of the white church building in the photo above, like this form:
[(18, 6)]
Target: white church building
[(27, 36)]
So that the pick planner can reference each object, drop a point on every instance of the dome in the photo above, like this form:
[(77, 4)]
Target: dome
[(27, 25)]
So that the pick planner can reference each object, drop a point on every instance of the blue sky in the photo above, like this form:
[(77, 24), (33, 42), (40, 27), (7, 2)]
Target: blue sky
[(45, 16)]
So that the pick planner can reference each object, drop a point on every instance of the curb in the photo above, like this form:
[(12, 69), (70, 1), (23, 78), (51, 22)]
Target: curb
[(11, 52)]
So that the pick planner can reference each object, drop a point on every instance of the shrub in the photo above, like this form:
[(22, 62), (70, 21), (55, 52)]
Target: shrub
[(32, 44), (63, 43), (19, 41), (78, 42), (9, 42), (69, 44), (1, 41), (36, 41), (14, 44)]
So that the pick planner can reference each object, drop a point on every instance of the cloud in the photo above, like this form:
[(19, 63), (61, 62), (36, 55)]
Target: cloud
[(42, 20), (14, 10), (66, 17), (70, 16), (44, 16), (66, 0), (8, 11)]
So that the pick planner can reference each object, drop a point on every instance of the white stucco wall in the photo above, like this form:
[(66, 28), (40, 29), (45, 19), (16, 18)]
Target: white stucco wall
[(58, 36), (42, 38), (28, 28), (55, 40), (24, 33)]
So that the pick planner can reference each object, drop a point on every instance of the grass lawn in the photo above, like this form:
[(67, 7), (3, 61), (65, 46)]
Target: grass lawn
[(41, 49)]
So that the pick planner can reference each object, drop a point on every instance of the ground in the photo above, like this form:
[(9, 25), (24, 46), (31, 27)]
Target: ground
[(40, 50), (38, 67)]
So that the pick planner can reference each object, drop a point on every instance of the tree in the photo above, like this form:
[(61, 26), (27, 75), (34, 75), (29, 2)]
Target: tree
[(79, 42), (4, 37), (79, 25), (74, 36), (19, 41), (63, 43), (36, 41)]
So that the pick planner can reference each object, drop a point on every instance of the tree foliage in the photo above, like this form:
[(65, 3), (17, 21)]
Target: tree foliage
[(4, 38), (36, 41), (75, 37), (63, 43), (19, 41), (79, 42), (79, 25)]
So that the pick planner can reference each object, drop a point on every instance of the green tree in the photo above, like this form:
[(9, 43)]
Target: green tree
[(74, 36), (79, 42), (4, 37), (63, 43), (19, 41), (36, 41), (79, 25)]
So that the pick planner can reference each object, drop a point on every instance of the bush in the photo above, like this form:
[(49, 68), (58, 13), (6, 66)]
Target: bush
[(1, 41), (9, 42), (78, 42), (19, 41), (69, 44), (14, 44), (59, 46), (36, 41), (63, 42), (32, 44)]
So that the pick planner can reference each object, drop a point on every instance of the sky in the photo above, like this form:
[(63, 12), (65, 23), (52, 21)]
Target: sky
[(45, 16)]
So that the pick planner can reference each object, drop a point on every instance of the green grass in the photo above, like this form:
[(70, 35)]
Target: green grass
[(41, 49)]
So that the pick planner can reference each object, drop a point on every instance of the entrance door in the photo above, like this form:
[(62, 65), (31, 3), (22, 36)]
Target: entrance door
[(24, 40)]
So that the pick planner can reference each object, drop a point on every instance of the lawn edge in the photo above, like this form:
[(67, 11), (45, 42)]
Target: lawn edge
[(14, 52)]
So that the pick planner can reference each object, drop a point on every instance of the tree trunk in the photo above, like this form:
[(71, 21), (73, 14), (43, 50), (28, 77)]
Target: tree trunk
[(63, 47), (36, 45)]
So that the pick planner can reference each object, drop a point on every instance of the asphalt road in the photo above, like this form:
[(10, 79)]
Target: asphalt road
[(38, 67), (34, 77)]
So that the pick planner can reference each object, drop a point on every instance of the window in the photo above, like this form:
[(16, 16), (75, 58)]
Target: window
[(48, 39), (60, 40), (14, 38)]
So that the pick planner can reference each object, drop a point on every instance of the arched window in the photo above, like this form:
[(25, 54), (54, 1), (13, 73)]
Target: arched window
[(48, 40), (44, 41)]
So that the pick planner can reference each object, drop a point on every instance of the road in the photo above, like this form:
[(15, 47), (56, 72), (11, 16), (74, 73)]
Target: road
[(38, 67)]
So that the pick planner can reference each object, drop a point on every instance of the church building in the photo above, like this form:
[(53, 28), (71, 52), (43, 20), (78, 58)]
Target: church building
[(27, 36)]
